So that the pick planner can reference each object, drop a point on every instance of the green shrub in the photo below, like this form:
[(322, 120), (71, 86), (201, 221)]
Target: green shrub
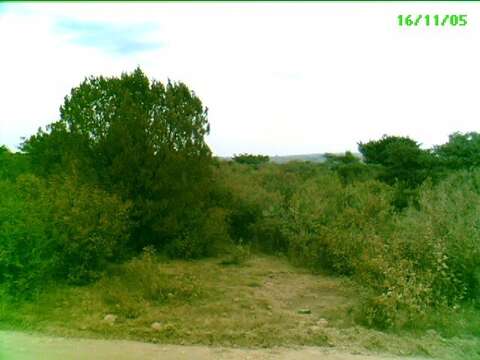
[(311, 209), (12, 164), (89, 227), (26, 252), (208, 237), (58, 230), (238, 254), (431, 260), (332, 227), (246, 200)]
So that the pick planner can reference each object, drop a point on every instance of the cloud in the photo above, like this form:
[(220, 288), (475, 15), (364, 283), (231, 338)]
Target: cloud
[(120, 39)]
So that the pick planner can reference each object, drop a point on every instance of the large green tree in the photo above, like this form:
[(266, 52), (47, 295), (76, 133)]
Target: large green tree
[(462, 151), (140, 139), (401, 158)]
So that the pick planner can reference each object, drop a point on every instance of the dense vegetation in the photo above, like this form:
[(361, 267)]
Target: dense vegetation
[(126, 166)]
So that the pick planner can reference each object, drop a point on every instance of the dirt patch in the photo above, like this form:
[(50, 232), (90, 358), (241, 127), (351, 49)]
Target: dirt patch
[(289, 292), (217, 307), (20, 346)]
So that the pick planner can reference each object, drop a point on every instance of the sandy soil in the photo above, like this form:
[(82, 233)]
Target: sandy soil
[(21, 346)]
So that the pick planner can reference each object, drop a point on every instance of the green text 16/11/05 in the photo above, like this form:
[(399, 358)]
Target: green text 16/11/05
[(433, 20)]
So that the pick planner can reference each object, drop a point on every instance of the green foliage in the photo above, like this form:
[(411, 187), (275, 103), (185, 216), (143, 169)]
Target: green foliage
[(337, 159), (280, 183), (12, 164), (141, 140), (89, 227), (330, 227), (401, 158), (413, 263), (462, 151), (209, 238), (249, 159), (350, 168), (238, 254), (431, 260), (58, 230), (25, 251), (247, 200)]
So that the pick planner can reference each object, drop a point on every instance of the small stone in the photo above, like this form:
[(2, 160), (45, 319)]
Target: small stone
[(269, 307), (236, 299), (322, 322), (110, 319), (170, 295), (156, 326), (304, 311)]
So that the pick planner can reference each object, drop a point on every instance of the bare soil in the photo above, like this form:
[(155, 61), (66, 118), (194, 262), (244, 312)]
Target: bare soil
[(22, 346)]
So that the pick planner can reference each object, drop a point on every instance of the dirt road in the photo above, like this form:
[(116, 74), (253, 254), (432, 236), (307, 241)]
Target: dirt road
[(20, 346)]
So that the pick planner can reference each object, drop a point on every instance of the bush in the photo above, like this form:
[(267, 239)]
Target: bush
[(58, 230), (238, 254), (431, 261), (208, 237), (331, 227), (89, 227), (26, 252), (12, 164), (241, 192)]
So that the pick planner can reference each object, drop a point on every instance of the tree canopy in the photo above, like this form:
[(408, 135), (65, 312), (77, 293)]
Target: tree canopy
[(462, 151), (138, 138), (401, 158)]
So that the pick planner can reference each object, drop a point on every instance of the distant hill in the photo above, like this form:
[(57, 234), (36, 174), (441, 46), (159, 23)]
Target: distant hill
[(303, 157), (316, 158)]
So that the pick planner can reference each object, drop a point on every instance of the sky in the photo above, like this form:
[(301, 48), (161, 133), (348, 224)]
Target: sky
[(277, 78)]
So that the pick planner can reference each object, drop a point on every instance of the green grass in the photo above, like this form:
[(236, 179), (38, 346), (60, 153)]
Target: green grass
[(254, 304)]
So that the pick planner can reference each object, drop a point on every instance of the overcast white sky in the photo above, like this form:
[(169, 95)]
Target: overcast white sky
[(278, 78)]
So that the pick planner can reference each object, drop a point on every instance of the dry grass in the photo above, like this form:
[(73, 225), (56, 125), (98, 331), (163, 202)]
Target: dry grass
[(204, 302)]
